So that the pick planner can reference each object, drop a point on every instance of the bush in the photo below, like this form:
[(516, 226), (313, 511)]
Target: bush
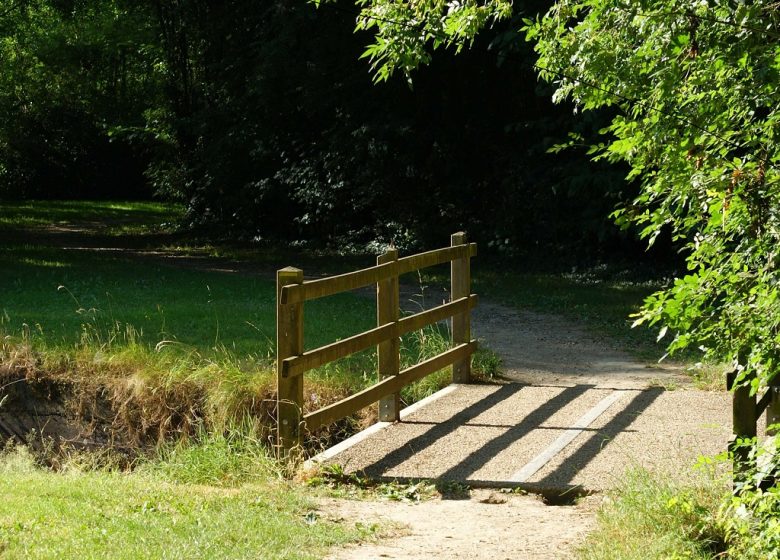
[(751, 517)]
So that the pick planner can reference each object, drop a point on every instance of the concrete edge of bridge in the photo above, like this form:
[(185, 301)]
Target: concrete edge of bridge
[(562, 495), (374, 428)]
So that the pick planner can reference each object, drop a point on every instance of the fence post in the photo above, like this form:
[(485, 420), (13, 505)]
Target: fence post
[(289, 342), (461, 324), (388, 352), (773, 408), (743, 414)]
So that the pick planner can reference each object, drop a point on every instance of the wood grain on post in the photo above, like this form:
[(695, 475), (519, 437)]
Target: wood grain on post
[(388, 351), (289, 342), (461, 323)]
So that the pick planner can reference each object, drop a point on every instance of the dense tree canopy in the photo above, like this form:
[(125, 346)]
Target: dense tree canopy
[(263, 120), (68, 71), (697, 89), (700, 93)]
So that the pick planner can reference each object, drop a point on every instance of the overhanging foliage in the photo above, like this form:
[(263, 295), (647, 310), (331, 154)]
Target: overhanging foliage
[(697, 91)]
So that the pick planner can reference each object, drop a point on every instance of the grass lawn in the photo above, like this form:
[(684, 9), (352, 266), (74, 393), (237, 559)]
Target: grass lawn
[(80, 514), (61, 296), (115, 218), (145, 323)]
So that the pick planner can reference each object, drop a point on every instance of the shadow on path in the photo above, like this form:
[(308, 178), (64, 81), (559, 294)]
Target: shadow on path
[(589, 443), (442, 429), (597, 441), (477, 458)]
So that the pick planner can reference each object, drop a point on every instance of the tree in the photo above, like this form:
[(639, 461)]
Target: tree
[(271, 129), (261, 118), (69, 71), (697, 93)]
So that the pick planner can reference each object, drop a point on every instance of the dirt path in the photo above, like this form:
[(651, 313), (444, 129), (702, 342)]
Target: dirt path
[(540, 348), (544, 356), (490, 525)]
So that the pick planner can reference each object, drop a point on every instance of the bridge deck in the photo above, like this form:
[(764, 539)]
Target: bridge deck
[(544, 437)]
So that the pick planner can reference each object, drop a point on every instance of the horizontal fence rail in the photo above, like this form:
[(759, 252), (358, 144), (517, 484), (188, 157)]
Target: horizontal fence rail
[(296, 365), (387, 386), (314, 289), (293, 361)]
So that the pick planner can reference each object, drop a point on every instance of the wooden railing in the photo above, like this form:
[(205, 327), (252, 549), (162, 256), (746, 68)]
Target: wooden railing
[(746, 411), (292, 361)]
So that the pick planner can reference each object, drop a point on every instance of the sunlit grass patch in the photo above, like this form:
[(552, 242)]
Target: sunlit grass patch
[(115, 218), (173, 351), (657, 519), (98, 296), (150, 514)]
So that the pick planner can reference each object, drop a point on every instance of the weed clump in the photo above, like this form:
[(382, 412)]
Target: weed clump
[(657, 519), (651, 518)]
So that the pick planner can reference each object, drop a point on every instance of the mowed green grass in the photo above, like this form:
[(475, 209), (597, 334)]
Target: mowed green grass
[(59, 299), (98, 307), (88, 308), (55, 294), (115, 218), (113, 515)]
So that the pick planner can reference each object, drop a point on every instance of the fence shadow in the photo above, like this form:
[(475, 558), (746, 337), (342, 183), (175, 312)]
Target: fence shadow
[(595, 439), (475, 460), (598, 440)]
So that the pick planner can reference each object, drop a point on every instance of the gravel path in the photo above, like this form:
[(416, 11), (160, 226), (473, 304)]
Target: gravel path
[(572, 415)]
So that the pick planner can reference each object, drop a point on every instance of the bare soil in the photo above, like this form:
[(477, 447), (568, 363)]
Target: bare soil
[(57, 412)]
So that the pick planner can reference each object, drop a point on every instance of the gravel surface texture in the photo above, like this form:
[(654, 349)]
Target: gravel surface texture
[(488, 526), (575, 406)]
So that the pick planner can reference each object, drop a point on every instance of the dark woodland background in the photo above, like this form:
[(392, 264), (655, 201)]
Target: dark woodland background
[(261, 118)]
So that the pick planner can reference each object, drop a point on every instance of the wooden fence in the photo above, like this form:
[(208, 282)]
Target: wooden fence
[(292, 361), (746, 411)]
